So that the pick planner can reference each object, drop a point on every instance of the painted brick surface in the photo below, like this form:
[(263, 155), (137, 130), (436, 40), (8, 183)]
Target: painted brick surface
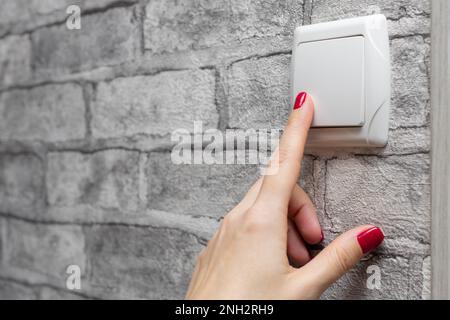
[(392, 193), (15, 291), (59, 50), (154, 105), (402, 273), (86, 116), (410, 99), (50, 293), (23, 10), (21, 181), (177, 26), (41, 251), (50, 113), (406, 17), (129, 262), (106, 179), (15, 60), (259, 93)]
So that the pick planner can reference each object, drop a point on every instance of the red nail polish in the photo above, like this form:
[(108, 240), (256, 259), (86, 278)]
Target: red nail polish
[(370, 239), (301, 98)]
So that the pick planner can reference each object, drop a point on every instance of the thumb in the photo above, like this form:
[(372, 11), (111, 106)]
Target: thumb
[(340, 256)]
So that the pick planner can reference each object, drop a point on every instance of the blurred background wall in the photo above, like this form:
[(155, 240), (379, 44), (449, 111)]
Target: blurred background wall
[(85, 123)]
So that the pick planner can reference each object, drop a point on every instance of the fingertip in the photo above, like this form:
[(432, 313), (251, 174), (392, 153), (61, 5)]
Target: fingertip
[(341, 255), (370, 239), (300, 100), (310, 102), (303, 101), (303, 112), (309, 108)]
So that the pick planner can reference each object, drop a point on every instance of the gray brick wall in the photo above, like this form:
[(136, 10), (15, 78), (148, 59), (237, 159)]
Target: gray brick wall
[(86, 119)]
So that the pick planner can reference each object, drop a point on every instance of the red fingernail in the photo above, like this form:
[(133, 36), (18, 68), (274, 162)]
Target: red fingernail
[(301, 98), (322, 236), (370, 239)]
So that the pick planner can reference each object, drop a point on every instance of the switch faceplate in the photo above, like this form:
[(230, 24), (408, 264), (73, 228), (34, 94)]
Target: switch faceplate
[(332, 71), (345, 67)]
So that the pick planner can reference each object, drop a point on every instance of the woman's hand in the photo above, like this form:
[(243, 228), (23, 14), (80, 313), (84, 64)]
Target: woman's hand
[(249, 256)]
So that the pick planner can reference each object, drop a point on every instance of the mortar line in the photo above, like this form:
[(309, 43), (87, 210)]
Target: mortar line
[(48, 222), (34, 286), (59, 22), (325, 195)]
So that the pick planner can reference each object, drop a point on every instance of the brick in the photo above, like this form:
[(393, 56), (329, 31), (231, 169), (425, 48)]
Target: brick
[(403, 140), (409, 140), (47, 293), (137, 263), (50, 113), (416, 278), (395, 278), (404, 247), (196, 189), (24, 10), (11, 10), (107, 180), (393, 193), (410, 82), (58, 50), (206, 190), (37, 250), (98, 4), (176, 26), (15, 60), (155, 105), (36, 13), (405, 17), (50, 6), (10, 290), (259, 93), (21, 182)]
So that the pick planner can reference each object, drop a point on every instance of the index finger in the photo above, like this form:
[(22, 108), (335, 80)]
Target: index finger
[(276, 189)]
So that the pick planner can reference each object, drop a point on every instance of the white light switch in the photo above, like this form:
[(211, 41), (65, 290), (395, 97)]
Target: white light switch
[(332, 71), (345, 66)]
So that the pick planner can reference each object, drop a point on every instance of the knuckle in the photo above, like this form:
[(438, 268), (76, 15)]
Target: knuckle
[(228, 221), (254, 221), (253, 211)]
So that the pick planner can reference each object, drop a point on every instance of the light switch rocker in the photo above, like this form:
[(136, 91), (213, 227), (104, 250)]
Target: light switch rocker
[(345, 67)]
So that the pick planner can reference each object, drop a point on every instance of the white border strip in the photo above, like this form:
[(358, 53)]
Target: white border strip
[(440, 195)]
